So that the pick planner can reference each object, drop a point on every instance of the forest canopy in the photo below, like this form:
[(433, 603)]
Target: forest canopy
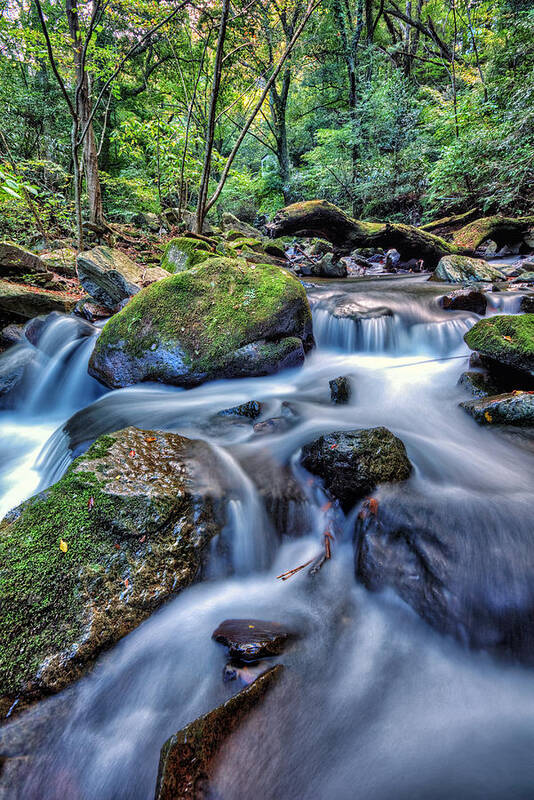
[(402, 112)]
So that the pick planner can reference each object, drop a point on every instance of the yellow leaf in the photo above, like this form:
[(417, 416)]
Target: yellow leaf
[(63, 546), (488, 416)]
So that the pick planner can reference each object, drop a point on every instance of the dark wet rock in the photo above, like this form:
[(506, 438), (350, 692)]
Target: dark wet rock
[(515, 408), (527, 304), (24, 302), (134, 514), (476, 586), (275, 248), (15, 261), (109, 276), (462, 269), (252, 410), (13, 364), (352, 463), (221, 319), (34, 329), (91, 311), (253, 639), (506, 339), (188, 758), (478, 384), (340, 389), (245, 673), (465, 300), (10, 335), (274, 425)]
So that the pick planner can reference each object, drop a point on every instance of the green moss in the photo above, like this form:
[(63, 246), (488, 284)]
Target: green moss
[(40, 584), (183, 253), (212, 309), (505, 338)]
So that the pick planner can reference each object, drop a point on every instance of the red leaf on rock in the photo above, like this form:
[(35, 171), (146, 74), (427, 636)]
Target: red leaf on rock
[(131, 453)]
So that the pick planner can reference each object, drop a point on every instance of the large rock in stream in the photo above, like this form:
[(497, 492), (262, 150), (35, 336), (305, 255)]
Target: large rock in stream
[(221, 319), (352, 463), (505, 339), (463, 562), (512, 408), (84, 562)]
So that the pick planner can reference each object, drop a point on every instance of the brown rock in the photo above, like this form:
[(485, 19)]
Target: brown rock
[(252, 639), (188, 758)]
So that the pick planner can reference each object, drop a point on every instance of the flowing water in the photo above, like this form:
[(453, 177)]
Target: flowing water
[(374, 703)]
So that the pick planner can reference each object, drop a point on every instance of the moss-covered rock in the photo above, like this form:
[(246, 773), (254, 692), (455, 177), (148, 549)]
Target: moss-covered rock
[(188, 758), (507, 339), (502, 230), (221, 319), (232, 225), (478, 384), (352, 463), (462, 269), (133, 524), (183, 253)]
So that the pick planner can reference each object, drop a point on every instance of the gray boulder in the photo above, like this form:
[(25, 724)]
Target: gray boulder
[(514, 408), (16, 261), (110, 277), (462, 269)]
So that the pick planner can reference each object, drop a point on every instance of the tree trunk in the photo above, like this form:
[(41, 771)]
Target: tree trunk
[(327, 221), (92, 178)]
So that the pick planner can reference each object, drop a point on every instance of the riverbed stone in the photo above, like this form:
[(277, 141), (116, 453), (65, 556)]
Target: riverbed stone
[(462, 269), (477, 383), (85, 561), (513, 408), (253, 639), (110, 276), (506, 339), (221, 319), (188, 759), (352, 463), (465, 300)]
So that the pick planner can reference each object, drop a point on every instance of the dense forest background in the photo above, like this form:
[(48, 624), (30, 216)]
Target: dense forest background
[(392, 111)]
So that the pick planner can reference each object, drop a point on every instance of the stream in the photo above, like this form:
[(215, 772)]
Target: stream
[(375, 702)]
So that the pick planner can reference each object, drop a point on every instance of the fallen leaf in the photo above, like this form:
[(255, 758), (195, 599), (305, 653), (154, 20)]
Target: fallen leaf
[(142, 539), (150, 439), (326, 506), (117, 547), (333, 446), (63, 546), (488, 416), (508, 338), (126, 582), (90, 502), (131, 453), (373, 505)]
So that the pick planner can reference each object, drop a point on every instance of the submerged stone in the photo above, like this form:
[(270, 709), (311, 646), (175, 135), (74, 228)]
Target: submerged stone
[(465, 300), (85, 561)]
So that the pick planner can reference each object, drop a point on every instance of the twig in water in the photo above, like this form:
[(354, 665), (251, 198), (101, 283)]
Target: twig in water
[(285, 575)]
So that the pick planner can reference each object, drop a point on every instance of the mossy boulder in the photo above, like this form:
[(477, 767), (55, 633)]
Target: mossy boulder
[(232, 225), (134, 524), (507, 339), (16, 261), (462, 269), (514, 408), (183, 253), (221, 319), (353, 463)]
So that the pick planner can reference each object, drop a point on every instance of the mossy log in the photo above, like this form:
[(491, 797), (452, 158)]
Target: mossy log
[(445, 225), (327, 221), (501, 230)]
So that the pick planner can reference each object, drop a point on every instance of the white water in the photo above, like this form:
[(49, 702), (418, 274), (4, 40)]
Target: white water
[(374, 704)]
